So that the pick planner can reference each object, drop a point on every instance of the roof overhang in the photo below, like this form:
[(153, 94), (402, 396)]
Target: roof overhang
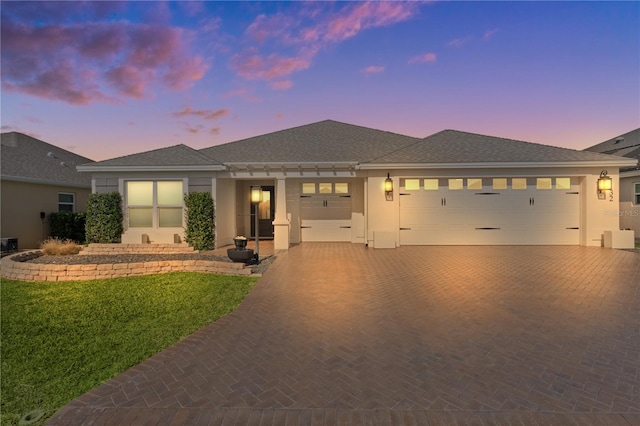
[(108, 169), (44, 182), (499, 165), (291, 166)]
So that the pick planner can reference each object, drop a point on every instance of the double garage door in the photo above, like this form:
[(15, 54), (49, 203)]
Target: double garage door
[(490, 211)]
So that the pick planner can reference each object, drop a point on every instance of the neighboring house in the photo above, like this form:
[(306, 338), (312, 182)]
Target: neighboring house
[(327, 181), (37, 179), (626, 145)]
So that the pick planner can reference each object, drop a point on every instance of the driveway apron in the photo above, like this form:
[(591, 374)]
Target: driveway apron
[(339, 333)]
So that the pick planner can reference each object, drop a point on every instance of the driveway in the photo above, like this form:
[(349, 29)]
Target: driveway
[(342, 334)]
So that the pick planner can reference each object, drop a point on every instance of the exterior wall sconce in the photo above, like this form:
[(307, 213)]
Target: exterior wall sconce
[(604, 185), (256, 198), (388, 188)]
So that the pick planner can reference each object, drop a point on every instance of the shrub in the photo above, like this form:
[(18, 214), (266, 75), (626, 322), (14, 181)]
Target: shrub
[(200, 229), (68, 226), (104, 218), (59, 247)]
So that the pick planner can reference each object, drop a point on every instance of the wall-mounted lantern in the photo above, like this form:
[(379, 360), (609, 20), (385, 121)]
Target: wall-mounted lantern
[(388, 188), (256, 198), (604, 185)]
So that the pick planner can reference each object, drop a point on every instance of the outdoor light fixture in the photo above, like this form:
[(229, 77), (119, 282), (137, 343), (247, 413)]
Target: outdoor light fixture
[(256, 198), (388, 188), (604, 185)]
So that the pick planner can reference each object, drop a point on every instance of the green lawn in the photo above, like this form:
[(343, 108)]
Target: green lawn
[(59, 340)]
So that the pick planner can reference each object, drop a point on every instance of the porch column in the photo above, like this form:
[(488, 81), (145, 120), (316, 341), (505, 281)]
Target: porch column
[(280, 222)]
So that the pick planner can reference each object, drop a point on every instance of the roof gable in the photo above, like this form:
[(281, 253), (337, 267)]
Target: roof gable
[(30, 159), (453, 146), (322, 142), (173, 156)]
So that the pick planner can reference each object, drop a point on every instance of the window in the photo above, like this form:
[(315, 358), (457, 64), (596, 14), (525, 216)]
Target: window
[(543, 183), (325, 188), (519, 183), (341, 188), (308, 188), (455, 184), (66, 202), (474, 183), (499, 183), (636, 194), (431, 184), (412, 184), (563, 183), (156, 203)]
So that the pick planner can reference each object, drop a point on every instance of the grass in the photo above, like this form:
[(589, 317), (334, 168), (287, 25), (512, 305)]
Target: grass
[(62, 339), (57, 247)]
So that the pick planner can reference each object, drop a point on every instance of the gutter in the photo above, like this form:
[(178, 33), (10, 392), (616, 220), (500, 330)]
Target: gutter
[(44, 182)]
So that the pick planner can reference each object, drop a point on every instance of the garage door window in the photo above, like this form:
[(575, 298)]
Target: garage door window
[(308, 188), (456, 184), (499, 183), (431, 184), (474, 183), (563, 183), (412, 184), (341, 188), (519, 183), (543, 183)]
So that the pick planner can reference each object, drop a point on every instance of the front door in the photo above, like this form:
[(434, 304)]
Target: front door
[(266, 211)]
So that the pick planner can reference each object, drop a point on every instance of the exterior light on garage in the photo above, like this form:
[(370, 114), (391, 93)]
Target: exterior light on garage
[(388, 188), (604, 185)]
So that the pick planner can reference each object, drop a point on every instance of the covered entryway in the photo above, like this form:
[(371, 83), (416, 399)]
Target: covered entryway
[(490, 211), (266, 211)]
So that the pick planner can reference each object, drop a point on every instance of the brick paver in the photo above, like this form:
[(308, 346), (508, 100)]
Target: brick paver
[(342, 334)]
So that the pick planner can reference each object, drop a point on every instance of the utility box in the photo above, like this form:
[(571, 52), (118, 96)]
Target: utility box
[(9, 245)]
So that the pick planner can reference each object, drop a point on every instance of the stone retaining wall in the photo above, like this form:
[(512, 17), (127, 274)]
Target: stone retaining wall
[(26, 271), (99, 249)]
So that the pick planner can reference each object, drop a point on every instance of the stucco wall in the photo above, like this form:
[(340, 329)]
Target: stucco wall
[(225, 203), (21, 206)]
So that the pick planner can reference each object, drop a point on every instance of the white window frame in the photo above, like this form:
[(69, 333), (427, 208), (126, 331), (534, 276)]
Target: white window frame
[(64, 203), (636, 192), (155, 207)]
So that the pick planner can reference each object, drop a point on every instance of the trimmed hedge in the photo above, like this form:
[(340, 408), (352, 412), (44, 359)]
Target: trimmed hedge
[(104, 218), (200, 212), (68, 226)]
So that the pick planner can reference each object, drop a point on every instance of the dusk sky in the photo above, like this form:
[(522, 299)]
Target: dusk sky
[(106, 79)]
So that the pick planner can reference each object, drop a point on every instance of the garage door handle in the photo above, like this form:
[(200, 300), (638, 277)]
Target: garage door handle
[(573, 193), (573, 228), (305, 227), (345, 196), (405, 229), (486, 229), (443, 202), (345, 227), (305, 196), (404, 194)]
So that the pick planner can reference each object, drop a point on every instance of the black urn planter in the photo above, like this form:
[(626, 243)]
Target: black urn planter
[(244, 256), (241, 243)]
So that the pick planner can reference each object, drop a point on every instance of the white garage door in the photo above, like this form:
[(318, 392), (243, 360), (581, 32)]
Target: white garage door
[(325, 211), (490, 211)]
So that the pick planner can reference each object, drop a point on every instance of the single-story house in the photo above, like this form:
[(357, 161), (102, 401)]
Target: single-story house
[(626, 145), (36, 179), (332, 181)]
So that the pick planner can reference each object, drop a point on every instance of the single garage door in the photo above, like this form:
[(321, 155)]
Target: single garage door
[(490, 211), (325, 211)]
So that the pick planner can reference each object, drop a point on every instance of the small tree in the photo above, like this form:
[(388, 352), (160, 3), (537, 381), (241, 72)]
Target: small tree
[(104, 218), (200, 230), (68, 226)]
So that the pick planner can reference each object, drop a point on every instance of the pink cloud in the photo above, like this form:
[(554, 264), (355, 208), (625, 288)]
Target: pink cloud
[(214, 131), (489, 34), (242, 93), (425, 57), (460, 41), (373, 69), (279, 116), (81, 63), (281, 85), (205, 114), (254, 66)]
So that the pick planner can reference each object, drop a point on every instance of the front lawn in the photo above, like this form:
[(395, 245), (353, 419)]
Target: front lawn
[(59, 340)]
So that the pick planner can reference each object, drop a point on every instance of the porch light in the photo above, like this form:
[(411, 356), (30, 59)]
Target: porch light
[(256, 198), (388, 188), (604, 185)]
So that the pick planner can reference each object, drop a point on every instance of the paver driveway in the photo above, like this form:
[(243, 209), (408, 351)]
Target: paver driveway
[(342, 334)]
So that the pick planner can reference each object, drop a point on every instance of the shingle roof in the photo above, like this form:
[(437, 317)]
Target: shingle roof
[(626, 145), (28, 158), (453, 146), (177, 155), (322, 142)]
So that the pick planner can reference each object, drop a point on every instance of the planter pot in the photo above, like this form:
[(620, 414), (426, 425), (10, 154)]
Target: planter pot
[(241, 244), (244, 256)]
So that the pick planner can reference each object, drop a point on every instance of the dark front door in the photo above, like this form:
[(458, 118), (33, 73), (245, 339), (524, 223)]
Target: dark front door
[(266, 211)]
